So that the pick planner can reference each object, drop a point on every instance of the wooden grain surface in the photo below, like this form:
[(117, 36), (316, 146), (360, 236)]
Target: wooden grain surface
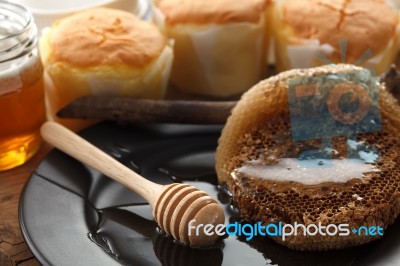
[(13, 249)]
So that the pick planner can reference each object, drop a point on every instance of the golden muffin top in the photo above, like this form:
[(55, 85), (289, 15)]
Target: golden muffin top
[(104, 36), (208, 12), (364, 24)]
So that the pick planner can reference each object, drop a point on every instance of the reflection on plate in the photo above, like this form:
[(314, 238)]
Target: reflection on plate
[(72, 215)]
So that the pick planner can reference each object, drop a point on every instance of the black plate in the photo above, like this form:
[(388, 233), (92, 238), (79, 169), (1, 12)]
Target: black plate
[(72, 215)]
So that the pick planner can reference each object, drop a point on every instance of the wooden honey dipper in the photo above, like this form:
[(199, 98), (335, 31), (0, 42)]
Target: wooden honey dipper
[(174, 205)]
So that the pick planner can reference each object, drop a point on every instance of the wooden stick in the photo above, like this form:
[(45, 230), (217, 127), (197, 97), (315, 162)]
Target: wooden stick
[(148, 111), (391, 78), (130, 110)]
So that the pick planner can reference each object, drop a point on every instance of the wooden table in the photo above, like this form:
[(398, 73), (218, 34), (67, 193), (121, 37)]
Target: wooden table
[(13, 249)]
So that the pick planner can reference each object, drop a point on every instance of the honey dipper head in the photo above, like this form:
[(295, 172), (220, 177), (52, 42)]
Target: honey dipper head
[(180, 205)]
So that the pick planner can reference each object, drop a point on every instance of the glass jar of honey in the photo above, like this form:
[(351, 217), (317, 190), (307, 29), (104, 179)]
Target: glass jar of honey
[(22, 109)]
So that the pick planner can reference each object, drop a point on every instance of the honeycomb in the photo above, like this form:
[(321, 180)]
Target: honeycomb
[(259, 127)]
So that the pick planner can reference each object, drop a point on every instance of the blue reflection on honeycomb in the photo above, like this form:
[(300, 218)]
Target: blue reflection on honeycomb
[(331, 105)]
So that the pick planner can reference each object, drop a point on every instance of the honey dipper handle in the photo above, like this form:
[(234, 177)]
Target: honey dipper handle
[(80, 149)]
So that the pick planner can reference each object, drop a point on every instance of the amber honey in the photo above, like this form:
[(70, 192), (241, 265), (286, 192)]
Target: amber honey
[(22, 109), (21, 115)]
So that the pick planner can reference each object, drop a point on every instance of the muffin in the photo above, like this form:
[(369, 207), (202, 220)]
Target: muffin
[(262, 159), (103, 51), (309, 33), (219, 45)]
